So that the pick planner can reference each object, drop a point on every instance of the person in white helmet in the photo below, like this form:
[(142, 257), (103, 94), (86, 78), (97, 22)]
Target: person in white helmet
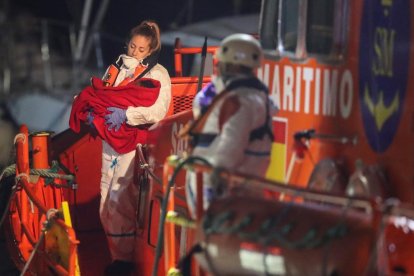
[(232, 128), (119, 193)]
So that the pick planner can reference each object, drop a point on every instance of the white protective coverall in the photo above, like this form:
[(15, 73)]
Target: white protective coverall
[(119, 193), (232, 119)]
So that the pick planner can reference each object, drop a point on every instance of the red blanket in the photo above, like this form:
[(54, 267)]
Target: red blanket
[(98, 98)]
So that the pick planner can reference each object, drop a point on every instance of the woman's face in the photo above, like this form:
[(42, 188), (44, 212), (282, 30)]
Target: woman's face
[(139, 47)]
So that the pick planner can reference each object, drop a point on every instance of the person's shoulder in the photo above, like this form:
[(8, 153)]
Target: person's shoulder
[(159, 70), (249, 97)]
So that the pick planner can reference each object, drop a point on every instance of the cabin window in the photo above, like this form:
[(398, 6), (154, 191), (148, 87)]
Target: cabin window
[(268, 24), (289, 25), (302, 28), (319, 30)]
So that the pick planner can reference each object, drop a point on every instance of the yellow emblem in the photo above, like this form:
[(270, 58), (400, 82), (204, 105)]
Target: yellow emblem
[(379, 111)]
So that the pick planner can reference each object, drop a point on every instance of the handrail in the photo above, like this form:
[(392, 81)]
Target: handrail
[(194, 50), (188, 80), (377, 210), (179, 51), (274, 186), (28, 215)]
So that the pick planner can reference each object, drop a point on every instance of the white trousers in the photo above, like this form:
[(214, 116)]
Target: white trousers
[(119, 198)]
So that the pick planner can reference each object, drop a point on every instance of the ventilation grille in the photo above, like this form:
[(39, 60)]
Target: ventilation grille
[(182, 103)]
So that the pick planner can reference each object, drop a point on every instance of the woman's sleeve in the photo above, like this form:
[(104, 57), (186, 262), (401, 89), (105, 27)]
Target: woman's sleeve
[(157, 111)]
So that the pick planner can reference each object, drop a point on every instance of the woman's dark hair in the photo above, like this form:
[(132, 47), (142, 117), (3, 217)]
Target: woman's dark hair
[(151, 30)]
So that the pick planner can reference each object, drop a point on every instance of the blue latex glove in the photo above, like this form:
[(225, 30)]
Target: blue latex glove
[(90, 117), (206, 96), (116, 118)]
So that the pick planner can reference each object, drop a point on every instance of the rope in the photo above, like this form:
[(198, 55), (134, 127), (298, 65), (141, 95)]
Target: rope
[(145, 166), (8, 171), (51, 214), (52, 174), (11, 170), (21, 175), (47, 173), (20, 135)]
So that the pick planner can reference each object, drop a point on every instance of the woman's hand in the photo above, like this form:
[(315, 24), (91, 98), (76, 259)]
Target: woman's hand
[(90, 118), (116, 118)]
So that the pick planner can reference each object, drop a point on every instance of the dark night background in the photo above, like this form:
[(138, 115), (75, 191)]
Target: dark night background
[(122, 15)]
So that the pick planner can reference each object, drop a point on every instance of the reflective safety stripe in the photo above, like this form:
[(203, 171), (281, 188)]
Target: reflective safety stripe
[(121, 235), (257, 153)]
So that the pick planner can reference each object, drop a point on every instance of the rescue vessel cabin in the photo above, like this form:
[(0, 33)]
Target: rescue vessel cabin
[(341, 70)]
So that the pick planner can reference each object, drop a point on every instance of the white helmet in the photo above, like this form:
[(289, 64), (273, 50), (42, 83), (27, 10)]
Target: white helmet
[(240, 49)]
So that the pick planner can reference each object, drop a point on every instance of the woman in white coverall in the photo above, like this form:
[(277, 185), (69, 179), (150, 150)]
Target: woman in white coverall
[(118, 190), (233, 126)]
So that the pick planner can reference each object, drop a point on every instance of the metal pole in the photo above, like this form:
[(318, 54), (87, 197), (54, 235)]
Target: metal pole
[(83, 29), (301, 51), (6, 80), (203, 62), (46, 56), (98, 50), (95, 36)]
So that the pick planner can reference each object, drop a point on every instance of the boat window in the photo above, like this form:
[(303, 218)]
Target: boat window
[(302, 28), (268, 24), (319, 30), (289, 25)]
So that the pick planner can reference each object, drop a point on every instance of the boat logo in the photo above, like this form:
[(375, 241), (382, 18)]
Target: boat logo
[(383, 68)]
